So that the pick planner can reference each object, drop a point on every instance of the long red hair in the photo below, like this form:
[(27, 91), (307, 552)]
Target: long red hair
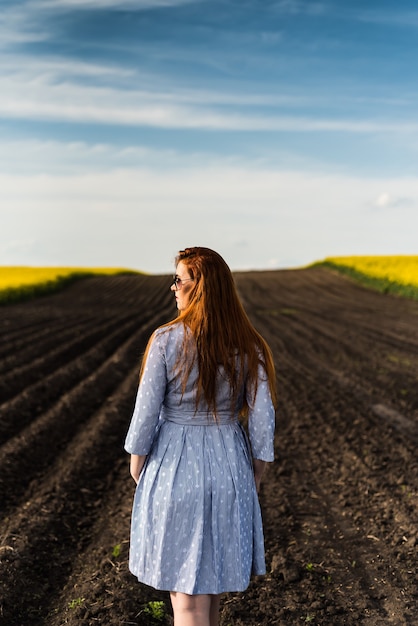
[(220, 331)]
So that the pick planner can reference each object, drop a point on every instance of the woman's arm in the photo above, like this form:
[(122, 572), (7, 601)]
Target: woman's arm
[(261, 423), (149, 399), (137, 463), (259, 467)]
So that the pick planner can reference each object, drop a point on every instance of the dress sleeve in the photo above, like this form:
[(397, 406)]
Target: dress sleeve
[(261, 420), (149, 398)]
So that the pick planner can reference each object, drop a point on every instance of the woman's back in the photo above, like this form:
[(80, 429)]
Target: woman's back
[(170, 341)]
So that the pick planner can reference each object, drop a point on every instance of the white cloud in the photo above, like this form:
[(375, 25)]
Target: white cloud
[(383, 200), (387, 201), (53, 70), (39, 99), (140, 217), (60, 76)]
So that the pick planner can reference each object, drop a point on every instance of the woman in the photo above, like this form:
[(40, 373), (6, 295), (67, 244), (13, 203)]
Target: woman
[(196, 523)]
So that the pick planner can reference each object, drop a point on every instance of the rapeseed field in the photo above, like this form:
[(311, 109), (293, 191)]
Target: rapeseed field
[(21, 283), (388, 274)]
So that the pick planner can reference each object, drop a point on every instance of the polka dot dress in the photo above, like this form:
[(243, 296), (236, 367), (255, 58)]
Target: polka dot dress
[(196, 521)]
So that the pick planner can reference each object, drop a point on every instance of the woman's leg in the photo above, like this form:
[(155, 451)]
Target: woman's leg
[(196, 610), (214, 610)]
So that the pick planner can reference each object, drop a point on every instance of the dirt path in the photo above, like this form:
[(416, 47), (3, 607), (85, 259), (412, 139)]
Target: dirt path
[(340, 504)]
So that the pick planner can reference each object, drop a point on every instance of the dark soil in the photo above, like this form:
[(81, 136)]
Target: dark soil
[(340, 504)]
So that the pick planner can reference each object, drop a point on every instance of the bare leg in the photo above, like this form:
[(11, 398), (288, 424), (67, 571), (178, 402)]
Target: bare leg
[(191, 610), (214, 610)]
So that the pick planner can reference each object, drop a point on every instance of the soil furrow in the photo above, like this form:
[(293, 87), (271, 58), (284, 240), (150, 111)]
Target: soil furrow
[(322, 361), (11, 354), (38, 397), (81, 480), (341, 541), (314, 375), (62, 525), (68, 349), (31, 448), (20, 356)]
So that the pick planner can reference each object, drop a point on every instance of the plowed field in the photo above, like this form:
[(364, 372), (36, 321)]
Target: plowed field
[(340, 504)]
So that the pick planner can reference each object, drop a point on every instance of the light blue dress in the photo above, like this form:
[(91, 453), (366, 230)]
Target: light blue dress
[(196, 521)]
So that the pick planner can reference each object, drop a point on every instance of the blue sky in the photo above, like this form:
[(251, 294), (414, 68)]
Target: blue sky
[(278, 132)]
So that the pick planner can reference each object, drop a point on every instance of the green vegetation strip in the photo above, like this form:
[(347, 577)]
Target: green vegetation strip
[(384, 285), (18, 293)]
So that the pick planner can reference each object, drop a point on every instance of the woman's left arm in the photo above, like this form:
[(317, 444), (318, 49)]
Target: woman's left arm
[(137, 463), (259, 467), (261, 425)]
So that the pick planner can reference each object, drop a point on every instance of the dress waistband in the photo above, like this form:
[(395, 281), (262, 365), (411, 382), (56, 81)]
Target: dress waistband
[(192, 418)]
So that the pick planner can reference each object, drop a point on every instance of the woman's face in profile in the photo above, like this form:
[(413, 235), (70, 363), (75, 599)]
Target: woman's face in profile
[(182, 286)]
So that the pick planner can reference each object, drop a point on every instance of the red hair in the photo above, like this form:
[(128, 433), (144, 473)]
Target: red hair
[(221, 332)]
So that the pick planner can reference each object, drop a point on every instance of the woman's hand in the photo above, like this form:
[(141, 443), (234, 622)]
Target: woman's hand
[(137, 463), (259, 467)]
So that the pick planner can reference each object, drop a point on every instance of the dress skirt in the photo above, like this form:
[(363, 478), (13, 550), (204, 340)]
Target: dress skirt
[(196, 520)]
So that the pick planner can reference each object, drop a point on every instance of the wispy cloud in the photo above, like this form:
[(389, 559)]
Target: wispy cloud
[(398, 17), (108, 4), (34, 157), (52, 72), (24, 22), (39, 98), (56, 70), (296, 7), (16, 27)]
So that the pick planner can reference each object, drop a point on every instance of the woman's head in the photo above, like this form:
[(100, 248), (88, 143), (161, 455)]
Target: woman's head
[(182, 286), (206, 281)]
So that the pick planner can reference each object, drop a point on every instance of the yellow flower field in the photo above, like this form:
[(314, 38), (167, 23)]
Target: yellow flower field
[(389, 274), (19, 276), (400, 269), (19, 282)]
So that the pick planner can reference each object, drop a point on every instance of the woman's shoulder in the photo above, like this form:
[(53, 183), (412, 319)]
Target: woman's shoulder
[(169, 340), (169, 332)]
